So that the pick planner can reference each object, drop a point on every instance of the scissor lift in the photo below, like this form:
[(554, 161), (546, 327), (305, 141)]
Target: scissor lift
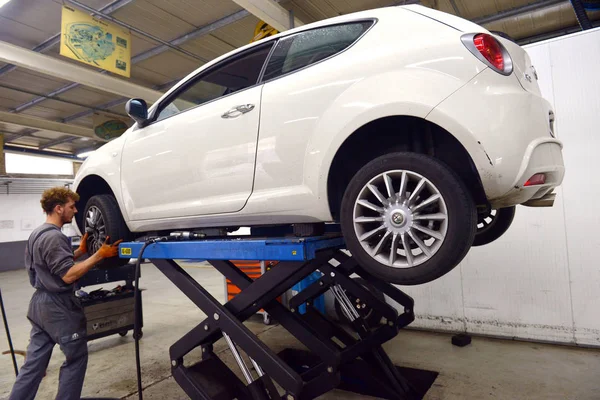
[(341, 352)]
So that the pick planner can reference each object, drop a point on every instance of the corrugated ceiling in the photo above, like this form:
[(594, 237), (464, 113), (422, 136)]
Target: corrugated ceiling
[(27, 23)]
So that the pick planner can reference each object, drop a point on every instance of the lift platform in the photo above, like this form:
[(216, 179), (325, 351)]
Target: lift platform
[(336, 353)]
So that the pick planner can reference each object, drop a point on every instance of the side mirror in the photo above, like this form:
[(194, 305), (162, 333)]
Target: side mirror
[(138, 111)]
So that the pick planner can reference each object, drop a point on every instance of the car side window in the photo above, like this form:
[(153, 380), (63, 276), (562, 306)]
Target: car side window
[(221, 80), (309, 47)]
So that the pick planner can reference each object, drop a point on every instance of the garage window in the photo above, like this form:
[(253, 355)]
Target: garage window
[(309, 47), (225, 78)]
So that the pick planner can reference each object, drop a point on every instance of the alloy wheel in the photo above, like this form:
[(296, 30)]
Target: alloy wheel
[(95, 220), (400, 218)]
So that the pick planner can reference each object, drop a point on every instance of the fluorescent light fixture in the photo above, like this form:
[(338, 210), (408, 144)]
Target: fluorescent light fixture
[(85, 153), (3, 2)]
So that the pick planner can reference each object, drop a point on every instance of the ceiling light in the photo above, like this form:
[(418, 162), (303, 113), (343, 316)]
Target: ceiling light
[(85, 153), (3, 2)]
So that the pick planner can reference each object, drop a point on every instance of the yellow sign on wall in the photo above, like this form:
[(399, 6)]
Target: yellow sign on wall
[(95, 42)]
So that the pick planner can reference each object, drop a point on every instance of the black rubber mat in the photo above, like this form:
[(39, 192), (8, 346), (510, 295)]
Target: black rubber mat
[(355, 378)]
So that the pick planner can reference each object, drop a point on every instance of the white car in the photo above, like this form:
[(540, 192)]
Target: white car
[(406, 125)]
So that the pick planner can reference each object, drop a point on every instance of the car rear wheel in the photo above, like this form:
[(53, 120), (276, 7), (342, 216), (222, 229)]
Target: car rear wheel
[(407, 218), (102, 218), (492, 225)]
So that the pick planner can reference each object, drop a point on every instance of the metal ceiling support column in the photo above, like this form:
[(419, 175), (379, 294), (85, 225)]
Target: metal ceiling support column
[(270, 12), (42, 47), (20, 134), (45, 125), (133, 28), (455, 7), (581, 15), (68, 71), (513, 12), (55, 142), (53, 97)]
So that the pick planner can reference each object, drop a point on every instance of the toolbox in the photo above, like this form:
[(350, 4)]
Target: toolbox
[(110, 315)]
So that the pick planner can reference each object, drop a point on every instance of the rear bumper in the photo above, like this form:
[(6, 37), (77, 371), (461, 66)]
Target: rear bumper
[(509, 135), (542, 156)]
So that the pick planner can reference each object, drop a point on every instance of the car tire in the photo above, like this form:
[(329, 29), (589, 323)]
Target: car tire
[(493, 225), (433, 195), (103, 216)]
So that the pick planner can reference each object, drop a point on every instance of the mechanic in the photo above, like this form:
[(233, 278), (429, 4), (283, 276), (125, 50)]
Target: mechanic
[(55, 314)]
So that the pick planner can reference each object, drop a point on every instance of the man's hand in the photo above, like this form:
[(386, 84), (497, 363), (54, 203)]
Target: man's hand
[(83, 244), (78, 270), (109, 250), (82, 249)]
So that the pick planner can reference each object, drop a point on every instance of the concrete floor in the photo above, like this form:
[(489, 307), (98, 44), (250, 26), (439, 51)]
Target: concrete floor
[(488, 368)]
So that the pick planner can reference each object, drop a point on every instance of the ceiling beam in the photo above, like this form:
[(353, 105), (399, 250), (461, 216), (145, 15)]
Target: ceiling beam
[(513, 12), (29, 150), (54, 40), (28, 121), (70, 72), (270, 12), (55, 98), (554, 34)]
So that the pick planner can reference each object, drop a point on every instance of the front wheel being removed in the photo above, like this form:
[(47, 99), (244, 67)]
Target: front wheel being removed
[(407, 218), (102, 218)]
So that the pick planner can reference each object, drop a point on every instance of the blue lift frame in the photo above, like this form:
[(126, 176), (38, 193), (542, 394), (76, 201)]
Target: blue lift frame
[(298, 258), (279, 249)]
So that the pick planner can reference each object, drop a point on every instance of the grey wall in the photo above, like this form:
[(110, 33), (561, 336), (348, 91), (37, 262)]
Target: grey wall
[(12, 255)]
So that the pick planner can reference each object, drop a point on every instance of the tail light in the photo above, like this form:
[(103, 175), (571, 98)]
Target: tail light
[(490, 51), (537, 179)]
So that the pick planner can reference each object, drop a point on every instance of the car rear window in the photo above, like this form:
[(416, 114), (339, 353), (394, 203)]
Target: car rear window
[(306, 48)]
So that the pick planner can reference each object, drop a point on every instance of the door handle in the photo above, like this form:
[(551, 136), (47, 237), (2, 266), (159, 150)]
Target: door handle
[(238, 110)]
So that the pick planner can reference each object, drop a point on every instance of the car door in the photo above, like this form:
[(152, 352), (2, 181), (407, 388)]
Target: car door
[(197, 155)]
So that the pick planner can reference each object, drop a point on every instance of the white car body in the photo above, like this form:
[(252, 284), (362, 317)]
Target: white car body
[(272, 165)]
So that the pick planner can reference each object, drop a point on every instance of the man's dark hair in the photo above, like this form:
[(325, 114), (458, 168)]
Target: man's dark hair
[(57, 196)]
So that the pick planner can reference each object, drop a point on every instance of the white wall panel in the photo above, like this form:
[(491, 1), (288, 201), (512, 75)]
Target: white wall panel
[(439, 304), (576, 84), (518, 286), (541, 280), (17, 211)]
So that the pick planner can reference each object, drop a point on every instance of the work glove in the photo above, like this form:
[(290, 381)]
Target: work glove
[(83, 244), (109, 250)]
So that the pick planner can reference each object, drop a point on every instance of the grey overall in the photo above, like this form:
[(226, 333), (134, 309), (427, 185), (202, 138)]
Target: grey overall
[(56, 317)]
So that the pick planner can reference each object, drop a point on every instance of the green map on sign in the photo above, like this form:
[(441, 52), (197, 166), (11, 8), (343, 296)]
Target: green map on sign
[(110, 129), (89, 42)]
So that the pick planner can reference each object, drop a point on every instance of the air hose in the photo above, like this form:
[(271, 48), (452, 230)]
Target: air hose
[(136, 320)]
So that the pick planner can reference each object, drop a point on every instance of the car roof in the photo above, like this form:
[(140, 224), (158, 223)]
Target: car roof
[(378, 13)]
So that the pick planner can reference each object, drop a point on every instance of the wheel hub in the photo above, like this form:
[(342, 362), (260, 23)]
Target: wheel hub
[(398, 218)]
